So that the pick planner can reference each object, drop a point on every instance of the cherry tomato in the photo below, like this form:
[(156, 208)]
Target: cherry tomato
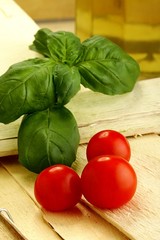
[(108, 142), (58, 188), (108, 181)]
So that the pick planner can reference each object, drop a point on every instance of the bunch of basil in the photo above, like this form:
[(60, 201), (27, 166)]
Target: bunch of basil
[(39, 88)]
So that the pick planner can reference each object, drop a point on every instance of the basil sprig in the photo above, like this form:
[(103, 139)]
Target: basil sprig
[(40, 87), (103, 66), (38, 83)]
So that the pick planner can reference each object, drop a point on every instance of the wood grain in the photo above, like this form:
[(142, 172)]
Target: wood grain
[(7, 232), (134, 113), (141, 213), (25, 213), (140, 218), (81, 223), (77, 223)]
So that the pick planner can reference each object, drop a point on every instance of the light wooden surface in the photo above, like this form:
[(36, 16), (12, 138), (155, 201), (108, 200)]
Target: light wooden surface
[(142, 213), (135, 114)]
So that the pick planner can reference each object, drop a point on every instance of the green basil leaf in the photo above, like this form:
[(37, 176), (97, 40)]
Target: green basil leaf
[(64, 47), (61, 46), (40, 43), (67, 83), (46, 138), (26, 87), (106, 68)]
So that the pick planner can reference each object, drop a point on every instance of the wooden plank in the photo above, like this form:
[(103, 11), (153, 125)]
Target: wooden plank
[(141, 213), (139, 219), (7, 232), (137, 112), (5, 215), (82, 223), (25, 213), (8, 147), (78, 223), (9, 131)]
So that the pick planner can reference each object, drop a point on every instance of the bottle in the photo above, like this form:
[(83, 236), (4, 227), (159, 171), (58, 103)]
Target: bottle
[(132, 24)]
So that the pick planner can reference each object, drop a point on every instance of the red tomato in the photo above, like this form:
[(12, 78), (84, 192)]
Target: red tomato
[(108, 142), (108, 181), (58, 188)]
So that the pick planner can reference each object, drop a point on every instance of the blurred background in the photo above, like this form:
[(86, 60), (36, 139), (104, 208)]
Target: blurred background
[(55, 14), (132, 24)]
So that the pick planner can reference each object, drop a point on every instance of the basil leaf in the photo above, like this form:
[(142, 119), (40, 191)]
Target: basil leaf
[(61, 46), (64, 47), (67, 83), (40, 43), (106, 68), (46, 138), (26, 87)]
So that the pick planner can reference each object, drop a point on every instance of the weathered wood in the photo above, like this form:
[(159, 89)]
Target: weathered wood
[(5, 215), (82, 223), (6, 232), (78, 223), (8, 147), (140, 218), (25, 213), (141, 213), (137, 112)]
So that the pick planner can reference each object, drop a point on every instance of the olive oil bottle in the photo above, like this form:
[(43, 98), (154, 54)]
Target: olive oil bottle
[(132, 24)]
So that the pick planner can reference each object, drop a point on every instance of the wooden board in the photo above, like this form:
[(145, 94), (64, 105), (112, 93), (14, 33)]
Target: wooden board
[(78, 223), (82, 223), (142, 213), (26, 214), (6, 232), (137, 112)]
